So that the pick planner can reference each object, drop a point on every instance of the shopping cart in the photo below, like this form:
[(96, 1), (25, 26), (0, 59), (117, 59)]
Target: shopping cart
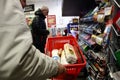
[(72, 69)]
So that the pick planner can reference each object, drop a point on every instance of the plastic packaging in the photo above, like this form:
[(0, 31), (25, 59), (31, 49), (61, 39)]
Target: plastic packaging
[(55, 55), (70, 53)]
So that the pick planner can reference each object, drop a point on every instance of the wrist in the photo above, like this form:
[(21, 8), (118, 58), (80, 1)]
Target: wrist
[(61, 69)]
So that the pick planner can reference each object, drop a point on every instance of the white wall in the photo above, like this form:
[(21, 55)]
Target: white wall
[(55, 8)]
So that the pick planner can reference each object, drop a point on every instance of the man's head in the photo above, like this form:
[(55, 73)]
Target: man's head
[(45, 10), (23, 3)]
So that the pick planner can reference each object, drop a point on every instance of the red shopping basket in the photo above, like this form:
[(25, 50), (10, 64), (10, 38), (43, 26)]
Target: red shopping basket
[(72, 69)]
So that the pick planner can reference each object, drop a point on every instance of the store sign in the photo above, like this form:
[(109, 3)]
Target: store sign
[(29, 8), (51, 20), (74, 27)]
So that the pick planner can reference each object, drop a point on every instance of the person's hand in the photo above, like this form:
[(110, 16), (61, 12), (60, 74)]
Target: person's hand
[(61, 70)]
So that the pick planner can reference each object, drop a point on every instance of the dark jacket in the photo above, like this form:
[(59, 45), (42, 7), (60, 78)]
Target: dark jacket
[(39, 31)]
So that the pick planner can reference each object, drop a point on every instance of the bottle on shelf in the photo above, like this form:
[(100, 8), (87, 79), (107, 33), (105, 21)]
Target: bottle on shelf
[(101, 69), (97, 39)]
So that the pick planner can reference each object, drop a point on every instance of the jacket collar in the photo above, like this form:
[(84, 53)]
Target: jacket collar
[(40, 14)]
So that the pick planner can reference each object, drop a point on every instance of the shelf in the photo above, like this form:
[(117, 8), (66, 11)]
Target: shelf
[(118, 4), (112, 52), (105, 65), (113, 71), (86, 42), (116, 75), (115, 31), (89, 78), (115, 39)]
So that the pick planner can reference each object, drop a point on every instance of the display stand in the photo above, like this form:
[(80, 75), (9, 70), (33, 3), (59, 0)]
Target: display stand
[(97, 39)]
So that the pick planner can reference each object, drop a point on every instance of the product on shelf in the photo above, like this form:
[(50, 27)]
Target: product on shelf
[(101, 69), (97, 39)]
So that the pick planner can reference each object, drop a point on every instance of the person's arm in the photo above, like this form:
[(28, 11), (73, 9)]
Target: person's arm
[(41, 66), (19, 59)]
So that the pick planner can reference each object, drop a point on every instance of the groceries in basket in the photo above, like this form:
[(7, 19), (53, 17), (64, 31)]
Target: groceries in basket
[(55, 55), (66, 56)]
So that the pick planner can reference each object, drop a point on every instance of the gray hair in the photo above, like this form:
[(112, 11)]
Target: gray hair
[(44, 8)]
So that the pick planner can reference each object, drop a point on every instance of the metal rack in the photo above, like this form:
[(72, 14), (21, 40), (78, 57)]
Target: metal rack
[(116, 32), (118, 4), (112, 68)]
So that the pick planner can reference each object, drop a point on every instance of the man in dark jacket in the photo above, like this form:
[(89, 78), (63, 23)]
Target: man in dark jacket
[(39, 30)]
